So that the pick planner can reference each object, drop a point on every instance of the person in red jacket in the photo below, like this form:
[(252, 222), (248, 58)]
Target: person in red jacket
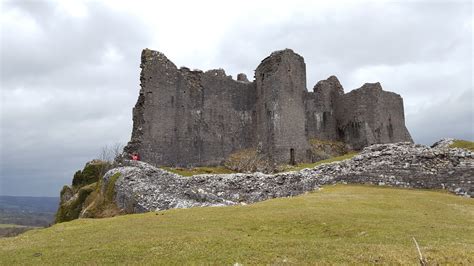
[(135, 156)]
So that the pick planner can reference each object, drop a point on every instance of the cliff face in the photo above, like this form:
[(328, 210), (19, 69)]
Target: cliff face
[(189, 118)]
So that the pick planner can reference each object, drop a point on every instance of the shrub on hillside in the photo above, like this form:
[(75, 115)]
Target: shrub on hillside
[(90, 174), (248, 160), (324, 149)]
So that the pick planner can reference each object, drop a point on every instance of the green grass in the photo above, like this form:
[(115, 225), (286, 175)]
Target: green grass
[(465, 144), (224, 170), (330, 160), (110, 191), (339, 224), (199, 170)]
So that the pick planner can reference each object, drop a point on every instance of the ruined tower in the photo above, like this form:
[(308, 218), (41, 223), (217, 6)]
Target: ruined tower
[(281, 84), (190, 118), (320, 107), (371, 115)]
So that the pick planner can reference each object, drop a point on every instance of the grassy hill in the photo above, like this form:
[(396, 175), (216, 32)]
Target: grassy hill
[(351, 224)]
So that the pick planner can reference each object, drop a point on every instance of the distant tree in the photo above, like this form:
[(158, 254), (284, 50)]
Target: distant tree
[(109, 153)]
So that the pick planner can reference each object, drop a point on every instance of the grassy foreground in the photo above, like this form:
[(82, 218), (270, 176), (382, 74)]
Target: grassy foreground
[(465, 144), (339, 224)]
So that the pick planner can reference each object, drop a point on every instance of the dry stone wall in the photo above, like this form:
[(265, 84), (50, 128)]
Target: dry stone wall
[(142, 187)]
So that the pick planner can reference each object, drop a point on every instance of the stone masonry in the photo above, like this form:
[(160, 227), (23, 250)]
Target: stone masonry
[(142, 187), (191, 118)]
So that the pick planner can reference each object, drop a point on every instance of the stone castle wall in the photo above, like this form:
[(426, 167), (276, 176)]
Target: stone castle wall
[(281, 86), (320, 107), (186, 118), (189, 118), (370, 115)]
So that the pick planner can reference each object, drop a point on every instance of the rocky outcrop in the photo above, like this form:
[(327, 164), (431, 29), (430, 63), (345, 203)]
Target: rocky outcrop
[(81, 199), (142, 187)]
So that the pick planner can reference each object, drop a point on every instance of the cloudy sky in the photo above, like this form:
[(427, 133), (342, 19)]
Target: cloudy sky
[(70, 69)]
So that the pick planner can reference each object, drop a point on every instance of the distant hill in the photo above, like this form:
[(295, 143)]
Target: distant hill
[(30, 204), (28, 211)]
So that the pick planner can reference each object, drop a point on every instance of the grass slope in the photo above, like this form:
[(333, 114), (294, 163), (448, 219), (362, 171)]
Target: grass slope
[(224, 170), (9, 230), (465, 144), (350, 224)]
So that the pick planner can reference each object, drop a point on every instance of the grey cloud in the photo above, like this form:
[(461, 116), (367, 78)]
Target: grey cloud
[(352, 37), (421, 50), (451, 117), (61, 42), (62, 97)]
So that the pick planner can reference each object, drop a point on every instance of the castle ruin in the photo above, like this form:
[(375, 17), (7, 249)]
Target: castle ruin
[(190, 118)]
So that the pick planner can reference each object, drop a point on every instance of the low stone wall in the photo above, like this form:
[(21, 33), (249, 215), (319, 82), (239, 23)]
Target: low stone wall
[(142, 187)]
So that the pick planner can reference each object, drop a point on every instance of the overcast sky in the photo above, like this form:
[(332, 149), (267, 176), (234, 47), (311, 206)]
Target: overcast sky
[(70, 69)]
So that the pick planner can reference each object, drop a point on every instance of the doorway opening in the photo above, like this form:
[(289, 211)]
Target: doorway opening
[(292, 157)]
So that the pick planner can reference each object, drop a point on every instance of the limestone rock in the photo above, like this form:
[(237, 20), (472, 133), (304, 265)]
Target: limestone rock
[(142, 187), (443, 143)]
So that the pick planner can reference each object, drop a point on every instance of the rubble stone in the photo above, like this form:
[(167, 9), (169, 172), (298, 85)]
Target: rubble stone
[(142, 187)]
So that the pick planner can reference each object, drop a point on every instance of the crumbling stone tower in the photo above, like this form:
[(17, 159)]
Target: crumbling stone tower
[(281, 86), (189, 117)]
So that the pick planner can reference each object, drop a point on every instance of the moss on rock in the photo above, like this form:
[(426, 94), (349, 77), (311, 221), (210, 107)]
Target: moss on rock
[(101, 203), (110, 192), (72, 208), (84, 198), (90, 174)]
